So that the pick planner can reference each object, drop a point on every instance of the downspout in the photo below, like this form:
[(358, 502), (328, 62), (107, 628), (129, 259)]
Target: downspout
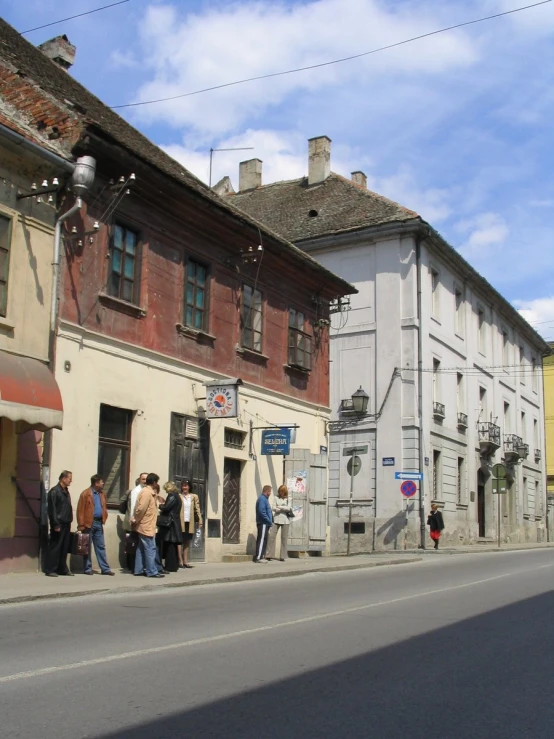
[(420, 392), (56, 263)]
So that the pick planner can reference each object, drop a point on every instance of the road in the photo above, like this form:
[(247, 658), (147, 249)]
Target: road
[(457, 646)]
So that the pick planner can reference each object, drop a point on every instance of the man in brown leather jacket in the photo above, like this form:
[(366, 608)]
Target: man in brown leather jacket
[(91, 517)]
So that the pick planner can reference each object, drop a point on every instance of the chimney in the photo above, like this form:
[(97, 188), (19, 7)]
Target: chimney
[(359, 178), (250, 174), (319, 159), (60, 50)]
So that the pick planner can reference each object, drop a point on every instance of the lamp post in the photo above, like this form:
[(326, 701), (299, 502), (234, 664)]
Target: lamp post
[(360, 400)]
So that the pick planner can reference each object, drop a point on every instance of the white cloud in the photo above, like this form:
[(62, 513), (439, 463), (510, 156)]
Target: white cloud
[(484, 235), (539, 313), (432, 203)]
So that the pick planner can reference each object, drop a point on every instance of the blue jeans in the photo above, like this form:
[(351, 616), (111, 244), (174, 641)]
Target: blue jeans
[(147, 556), (97, 539)]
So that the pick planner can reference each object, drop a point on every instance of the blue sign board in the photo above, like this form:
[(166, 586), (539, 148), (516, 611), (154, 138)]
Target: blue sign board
[(408, 475), (276, 442), (388, 461)]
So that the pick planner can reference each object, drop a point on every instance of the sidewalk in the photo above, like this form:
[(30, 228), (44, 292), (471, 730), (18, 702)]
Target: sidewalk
[(33, 586)]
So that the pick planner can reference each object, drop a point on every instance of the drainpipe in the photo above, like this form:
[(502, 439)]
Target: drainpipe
[(56, 263), (36, 149), (420, 392)]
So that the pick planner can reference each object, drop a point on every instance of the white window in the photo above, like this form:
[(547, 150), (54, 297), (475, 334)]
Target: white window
[(436, 380), (435, 292), (459, 308), (507, 428), (523, 426), (460, 400), (483, 404), (525, 496), (505, 350), (535, 434), (534, 375), (436, 474), (481, 326), (460, 479)]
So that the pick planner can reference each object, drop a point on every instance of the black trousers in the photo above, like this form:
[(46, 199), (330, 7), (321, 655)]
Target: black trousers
[(261, 541), (59, 545)]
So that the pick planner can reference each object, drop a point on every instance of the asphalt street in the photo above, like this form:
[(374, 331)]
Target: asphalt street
[(452, 647)]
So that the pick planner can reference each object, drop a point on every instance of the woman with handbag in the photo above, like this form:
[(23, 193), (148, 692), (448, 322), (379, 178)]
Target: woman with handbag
[(435, 522), (282, 514), (169, 527), (190, 515)]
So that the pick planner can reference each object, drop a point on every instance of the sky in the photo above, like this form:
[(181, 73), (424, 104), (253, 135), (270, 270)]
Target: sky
[(457, 126)]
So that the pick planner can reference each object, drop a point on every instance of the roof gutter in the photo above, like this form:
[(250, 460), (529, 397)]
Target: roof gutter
[(30, 146)]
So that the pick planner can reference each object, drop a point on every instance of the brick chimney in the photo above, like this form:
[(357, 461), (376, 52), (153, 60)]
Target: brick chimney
[(250, 174), (319, 159), (60, 50), (359, 178)]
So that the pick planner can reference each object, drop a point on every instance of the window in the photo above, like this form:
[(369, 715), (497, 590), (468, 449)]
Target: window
[(234, 439), (435, 292), (534, 382), (481, 328), (536, 444), (522, 365), (123, 264), (114, 449), (5, 238), (436, 380), (538, 499), (505, 350), (460, 480), (460, 400), (483, 404), (507, 428), (459, 316), (525, 496), (436, 474), (251, 319), (300, 342), (523, 426), (196, 297)]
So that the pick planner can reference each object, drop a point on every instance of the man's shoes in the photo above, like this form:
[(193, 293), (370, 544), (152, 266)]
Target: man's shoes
[(110, 573), (158, 575), (67, 574), (51, 574), (88, 573), (259, 561), (281, 560), (165, 572)]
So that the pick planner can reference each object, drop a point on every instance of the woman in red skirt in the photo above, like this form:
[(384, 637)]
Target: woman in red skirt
[(436, 524)]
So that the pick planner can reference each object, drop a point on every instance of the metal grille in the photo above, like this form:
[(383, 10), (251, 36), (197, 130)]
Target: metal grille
[(231, 502), (234, 439)]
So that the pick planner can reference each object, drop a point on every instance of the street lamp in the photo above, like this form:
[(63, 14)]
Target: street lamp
[(360, 399)]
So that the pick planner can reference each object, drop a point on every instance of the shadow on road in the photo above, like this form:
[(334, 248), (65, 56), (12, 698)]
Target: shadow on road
[(487, 676)]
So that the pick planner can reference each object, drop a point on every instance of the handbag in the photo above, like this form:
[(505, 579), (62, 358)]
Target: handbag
[(131, 543), (80, 543), (290, 514), (164, 520)]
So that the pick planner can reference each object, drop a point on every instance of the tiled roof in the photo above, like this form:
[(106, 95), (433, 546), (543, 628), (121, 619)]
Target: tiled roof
[(300, 211), (20, 58)]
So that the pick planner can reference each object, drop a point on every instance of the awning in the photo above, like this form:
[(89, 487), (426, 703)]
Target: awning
[(29, 394)]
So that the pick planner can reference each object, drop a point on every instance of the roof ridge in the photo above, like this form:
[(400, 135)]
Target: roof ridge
[(367, 191)]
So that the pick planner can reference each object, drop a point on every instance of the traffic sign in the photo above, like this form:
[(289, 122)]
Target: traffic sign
[(499, 471), (408, 488), (408, 475), (354, 465)]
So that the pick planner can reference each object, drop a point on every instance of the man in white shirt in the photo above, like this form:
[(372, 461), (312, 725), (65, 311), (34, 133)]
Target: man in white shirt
[(132, 498), (135, 492)]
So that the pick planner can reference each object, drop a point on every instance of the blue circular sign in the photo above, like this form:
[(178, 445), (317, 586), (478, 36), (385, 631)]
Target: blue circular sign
[(408, 488)]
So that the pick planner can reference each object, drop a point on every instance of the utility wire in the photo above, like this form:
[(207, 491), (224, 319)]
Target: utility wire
[(335, 61), (72, 17)]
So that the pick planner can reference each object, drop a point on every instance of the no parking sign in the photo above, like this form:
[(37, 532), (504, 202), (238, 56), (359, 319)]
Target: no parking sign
[(408, 488)]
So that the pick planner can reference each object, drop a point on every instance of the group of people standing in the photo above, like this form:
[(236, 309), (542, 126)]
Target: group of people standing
[(272, 522), (159, 530)]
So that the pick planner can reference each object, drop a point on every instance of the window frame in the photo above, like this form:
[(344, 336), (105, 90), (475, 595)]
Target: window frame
[(127, 228), (435, 291), (437, 467), (458, 311), (124, 445), (460, 481), (295, 334), (481, 329), (204, 311), (247, 316), (5, 280)]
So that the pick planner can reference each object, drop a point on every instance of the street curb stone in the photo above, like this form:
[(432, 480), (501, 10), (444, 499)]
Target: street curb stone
[(208, 581)]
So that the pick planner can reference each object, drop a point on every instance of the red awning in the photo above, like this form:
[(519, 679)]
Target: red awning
[(29, 393)]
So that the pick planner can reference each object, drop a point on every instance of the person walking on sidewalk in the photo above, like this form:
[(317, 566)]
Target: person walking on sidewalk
[(144, 522), (281, 521), (264, 521), (60, 515), (190, 515), (435, 522), (92, 513)]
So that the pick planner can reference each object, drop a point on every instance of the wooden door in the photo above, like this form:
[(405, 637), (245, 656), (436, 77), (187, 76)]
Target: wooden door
[(231, 501), (481, 504)]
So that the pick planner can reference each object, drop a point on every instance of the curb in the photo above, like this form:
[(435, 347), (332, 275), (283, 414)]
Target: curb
[(213, 581)]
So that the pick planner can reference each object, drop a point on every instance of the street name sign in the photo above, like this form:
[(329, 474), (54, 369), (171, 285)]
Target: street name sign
[(388, 461), (354, 451)]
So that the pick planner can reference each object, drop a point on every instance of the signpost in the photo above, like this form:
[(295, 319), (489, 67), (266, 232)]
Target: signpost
[(498, 488), (353, 467)]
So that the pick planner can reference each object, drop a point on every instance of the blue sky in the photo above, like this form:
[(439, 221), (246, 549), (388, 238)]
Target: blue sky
[(457, 126)]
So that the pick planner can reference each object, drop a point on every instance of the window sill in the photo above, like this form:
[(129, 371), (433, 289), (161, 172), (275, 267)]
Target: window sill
[(462, 506), (202, 337), (6, 323), (526, 516), (252, 354), (294, 368), (122, 305)]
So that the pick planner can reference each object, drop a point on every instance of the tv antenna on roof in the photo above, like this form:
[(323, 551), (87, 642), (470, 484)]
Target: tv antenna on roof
[(240, 148)]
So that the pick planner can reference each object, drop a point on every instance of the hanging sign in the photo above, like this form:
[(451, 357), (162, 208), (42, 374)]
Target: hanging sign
[(221, 401), (276, 442)]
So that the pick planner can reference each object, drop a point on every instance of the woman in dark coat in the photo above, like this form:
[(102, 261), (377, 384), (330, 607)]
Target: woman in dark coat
[(436, 524), (171, 537)]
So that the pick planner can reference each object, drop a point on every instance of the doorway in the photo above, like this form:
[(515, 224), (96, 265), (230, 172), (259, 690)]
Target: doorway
[(189, 445), (481, 503), (231, 501)]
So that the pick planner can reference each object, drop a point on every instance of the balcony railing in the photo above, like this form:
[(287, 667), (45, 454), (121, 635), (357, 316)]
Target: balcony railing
[(489, 436), (512, 442), (462, 420), (438, 410)]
